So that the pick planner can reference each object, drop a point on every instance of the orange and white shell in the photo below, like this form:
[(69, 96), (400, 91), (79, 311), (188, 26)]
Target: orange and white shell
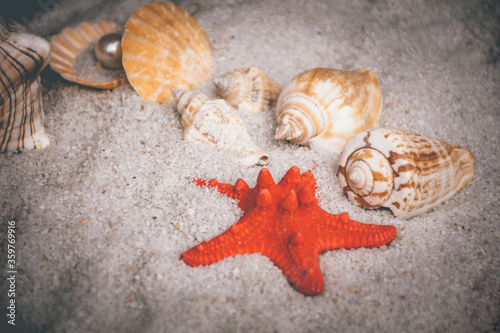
[(70, 43), (22, 57), (402, 170), (164, 47), (214, 122), (323, 108), (248, 89)]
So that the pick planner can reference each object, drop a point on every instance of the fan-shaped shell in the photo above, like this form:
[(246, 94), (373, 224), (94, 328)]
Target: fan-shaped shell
[(214, 122), (248, 89), (70, 43), (164, 47), (22, 57), (402, 170), (323, 108)]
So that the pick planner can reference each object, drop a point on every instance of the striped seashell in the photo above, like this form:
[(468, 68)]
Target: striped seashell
[(214, 122), (164, 47), (70, 43), (23, 56), (248, 89), (402, 170), (323, 108)]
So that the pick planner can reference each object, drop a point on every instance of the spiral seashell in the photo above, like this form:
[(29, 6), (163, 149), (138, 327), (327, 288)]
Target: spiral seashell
[(402, 170), (214, 122), (248, 89), (164, 47), (23, 56), (323, 108), (71, 43)]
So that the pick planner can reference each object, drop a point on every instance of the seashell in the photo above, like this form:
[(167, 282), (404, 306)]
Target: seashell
[(70, 43), (248, 89), (402, 170), (164, 47), (22, 58), (214, 122), (323, 108)]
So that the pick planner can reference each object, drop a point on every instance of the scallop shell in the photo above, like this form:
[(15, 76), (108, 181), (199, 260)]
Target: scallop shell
[(248, 89), (23, 56), (323, 108), (70, 43), (214, 122), (402, 170), (164, 47)]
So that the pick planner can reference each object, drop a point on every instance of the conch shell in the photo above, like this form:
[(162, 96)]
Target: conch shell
[(23, 56), (402, 170), (70, 43), (248, 89), (323, 108), (214, 122), (164, 47)]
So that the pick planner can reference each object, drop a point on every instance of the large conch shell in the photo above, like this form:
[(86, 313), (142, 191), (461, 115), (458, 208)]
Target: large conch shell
[(323, 108), (248, 89), (402, 170), (22, 57), (70, 43), (164, 47), (214, 122)]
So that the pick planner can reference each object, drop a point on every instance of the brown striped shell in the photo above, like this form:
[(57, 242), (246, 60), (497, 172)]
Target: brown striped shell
[(22, 57), (70, 43), (402, 170), (323, 107), (164, 47)]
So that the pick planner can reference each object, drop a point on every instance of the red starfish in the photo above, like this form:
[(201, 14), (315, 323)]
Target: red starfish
[(285, 223)]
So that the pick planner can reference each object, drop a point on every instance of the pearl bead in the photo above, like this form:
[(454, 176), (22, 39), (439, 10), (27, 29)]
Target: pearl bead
[(108, 50)]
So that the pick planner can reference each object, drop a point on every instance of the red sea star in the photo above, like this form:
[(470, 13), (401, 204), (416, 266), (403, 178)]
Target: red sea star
[(285, 223)]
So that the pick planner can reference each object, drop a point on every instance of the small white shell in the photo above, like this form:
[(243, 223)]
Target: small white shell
[(214, 122), (248, 89), (402, 170), (70, 43), (323, 108), (22, 57)]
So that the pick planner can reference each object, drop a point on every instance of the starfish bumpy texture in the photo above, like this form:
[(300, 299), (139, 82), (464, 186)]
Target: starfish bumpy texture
[(285, 223)]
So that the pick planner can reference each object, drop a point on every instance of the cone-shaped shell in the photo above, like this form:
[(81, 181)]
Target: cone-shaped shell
[(22, 57), (214, 122), (402, 170), (70, 43), (323, 108), (164, 47), (248, 89)]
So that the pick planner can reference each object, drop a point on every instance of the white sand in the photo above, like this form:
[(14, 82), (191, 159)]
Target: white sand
[(120, 164)]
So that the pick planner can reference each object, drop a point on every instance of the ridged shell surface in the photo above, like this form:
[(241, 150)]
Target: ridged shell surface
[(248, 89), (214, 122), (164, 47), (22, 57), (70, 43), (323, 108), (402, 170)]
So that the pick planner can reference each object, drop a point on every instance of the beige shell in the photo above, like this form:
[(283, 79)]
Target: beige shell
[(22, 57), (214, 122), (164, 47), (248, 89), (70, 43), (402, 170), (323, 108)]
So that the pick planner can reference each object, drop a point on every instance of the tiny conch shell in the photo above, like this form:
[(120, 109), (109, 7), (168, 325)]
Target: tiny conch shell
[(323, 108), (164, 47), (248, 89), (214, 122), (70, 43), (402, 170), (22, 57)]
